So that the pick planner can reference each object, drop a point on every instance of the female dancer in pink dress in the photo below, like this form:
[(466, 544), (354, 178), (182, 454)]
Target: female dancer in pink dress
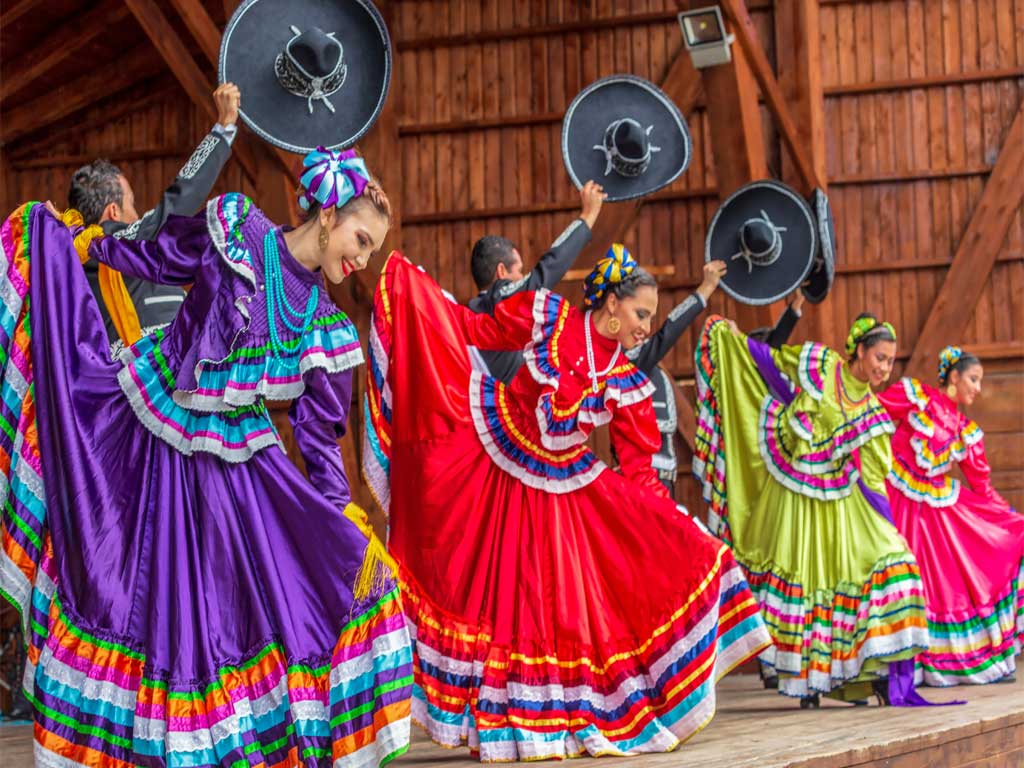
[(969, 542)]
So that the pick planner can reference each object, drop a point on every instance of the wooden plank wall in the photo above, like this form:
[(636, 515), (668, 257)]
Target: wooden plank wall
[(919, 96)]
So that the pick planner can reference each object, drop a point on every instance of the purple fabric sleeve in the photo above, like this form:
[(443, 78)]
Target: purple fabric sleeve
[(173, 258), (782, 390), (878, 501), (319, 417), (778, 386)]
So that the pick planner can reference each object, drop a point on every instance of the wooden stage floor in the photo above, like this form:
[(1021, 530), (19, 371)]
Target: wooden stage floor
[(758, 728)]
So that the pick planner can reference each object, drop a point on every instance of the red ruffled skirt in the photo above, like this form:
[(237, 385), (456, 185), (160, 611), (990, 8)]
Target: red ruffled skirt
[(547, 625)]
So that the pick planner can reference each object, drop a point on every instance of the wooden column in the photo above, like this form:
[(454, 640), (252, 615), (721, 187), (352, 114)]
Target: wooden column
[(740, 24), (184, 68), (975, 255), (737, 141), (276, 169), (798, 61)]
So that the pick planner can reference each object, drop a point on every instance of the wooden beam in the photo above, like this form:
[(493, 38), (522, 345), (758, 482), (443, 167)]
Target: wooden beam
[(746, 35), (104, 112), (482, 123), (126, 155), (66, 43), (177, 58), (33, 116), (798, 60), (695, 193), (930, 81), (206, 32), (921, 174), (15, 10), (865, 268), (550, 30), (997, 350), (854, 89), (202, 27), (976, 254)]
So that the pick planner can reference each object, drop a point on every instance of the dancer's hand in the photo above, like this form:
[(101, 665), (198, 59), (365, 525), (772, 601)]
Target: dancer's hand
[(228, 99), (713, 273), (733, 327), (592, 196), (53, 209), (796, 302)]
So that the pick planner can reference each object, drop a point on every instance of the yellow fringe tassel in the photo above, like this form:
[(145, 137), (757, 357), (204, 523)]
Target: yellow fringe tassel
[(115, 294), (378, 566)]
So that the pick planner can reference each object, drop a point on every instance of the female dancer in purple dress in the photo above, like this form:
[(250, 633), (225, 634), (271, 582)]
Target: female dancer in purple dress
[(189, 597)]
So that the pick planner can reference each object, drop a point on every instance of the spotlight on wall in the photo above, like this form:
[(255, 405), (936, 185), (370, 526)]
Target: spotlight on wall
[(705, 37)]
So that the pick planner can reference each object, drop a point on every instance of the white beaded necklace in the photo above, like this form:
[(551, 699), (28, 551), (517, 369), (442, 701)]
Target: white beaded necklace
[(590, 354)]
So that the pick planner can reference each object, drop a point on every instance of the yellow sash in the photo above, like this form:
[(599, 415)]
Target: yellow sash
[(115, 294)]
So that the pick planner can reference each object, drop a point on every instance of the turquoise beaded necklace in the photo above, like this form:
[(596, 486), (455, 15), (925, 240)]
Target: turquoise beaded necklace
[(278, 305)]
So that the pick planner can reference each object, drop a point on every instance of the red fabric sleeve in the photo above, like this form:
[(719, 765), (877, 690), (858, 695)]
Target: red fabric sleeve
[(635, 438), (511, 326)]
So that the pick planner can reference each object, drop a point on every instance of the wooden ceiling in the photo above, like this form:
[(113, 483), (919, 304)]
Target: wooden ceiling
[(62, 56)]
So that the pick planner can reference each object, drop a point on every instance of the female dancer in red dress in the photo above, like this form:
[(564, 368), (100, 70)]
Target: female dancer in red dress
[(559, 608)]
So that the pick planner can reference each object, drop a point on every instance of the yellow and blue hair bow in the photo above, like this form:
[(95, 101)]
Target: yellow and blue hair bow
[(948, 357), (618, 264)]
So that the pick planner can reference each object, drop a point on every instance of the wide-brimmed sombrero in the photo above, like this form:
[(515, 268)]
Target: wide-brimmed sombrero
[(626, 134), (767, 235), (819, 282), (312, 73)]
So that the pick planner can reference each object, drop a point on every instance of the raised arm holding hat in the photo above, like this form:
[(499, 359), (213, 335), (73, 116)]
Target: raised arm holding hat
[(497, 268), (130, 307)]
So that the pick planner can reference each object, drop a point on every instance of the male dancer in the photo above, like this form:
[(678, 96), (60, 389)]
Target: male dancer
[(497, 271), (102, 194)]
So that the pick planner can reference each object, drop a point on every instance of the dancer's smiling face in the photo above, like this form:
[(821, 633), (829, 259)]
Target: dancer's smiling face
[(874, 363), (356, 234), (967, 383), (635, 315)]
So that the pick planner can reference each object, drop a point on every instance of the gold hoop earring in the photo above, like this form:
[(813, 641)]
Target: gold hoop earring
[(613, 324), (951, 391), (323, 239)]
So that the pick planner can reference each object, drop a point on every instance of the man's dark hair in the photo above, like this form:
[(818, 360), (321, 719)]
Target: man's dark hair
[(93, 188), (488, 252)]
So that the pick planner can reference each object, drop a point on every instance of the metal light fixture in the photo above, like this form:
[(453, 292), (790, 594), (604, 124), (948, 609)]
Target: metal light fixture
[(705, 37)]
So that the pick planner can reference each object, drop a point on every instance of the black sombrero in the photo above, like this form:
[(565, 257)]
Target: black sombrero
[(312, 73), (767, 235), (625, 134), (823, 272)]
